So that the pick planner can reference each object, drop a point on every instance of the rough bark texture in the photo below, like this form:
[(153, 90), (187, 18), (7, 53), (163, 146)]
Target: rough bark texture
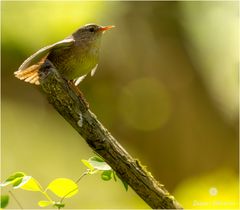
[(71, 105)]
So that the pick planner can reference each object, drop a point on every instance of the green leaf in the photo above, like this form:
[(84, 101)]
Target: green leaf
[(44, 203), (97, 158), (99, 164), (29, 183), (4, 201), (59, 205), (63, 187), (125, 184), (17, 182), (14, 176), (11, 179), (87, 164), (114, 176), (106, 175)]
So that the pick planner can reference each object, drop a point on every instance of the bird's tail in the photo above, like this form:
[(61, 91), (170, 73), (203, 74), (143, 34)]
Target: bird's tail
[(31, 73)]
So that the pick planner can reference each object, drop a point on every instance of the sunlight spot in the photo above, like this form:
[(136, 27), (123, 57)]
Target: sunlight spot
[(213, 191)]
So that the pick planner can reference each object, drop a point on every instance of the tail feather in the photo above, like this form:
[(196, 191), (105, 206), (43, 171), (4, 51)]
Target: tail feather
[(31, 77), (35, 80), (30, 74)]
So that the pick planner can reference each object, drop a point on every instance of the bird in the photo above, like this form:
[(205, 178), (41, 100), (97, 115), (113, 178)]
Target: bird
[(74, 57)]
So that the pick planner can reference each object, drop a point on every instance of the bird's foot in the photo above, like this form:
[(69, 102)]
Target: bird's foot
[(79, 93)]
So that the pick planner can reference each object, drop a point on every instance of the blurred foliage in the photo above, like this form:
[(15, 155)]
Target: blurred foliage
[(4, 201), (216, 33), (166, 87)]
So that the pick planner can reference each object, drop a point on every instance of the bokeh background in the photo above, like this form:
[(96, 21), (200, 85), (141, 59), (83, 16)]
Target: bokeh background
[(166, 88)]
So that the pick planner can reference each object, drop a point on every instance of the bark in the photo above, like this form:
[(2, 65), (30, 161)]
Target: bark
[(70, 103)]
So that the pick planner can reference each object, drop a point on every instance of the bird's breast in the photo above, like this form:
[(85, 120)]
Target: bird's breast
[(75, 61)]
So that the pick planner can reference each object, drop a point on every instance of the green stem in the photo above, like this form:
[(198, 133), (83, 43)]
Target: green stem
[(47, 196), (16, 200), (84, 174)]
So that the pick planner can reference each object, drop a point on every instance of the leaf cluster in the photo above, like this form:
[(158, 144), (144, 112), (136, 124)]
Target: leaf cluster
[(95, 164), (62, 187)]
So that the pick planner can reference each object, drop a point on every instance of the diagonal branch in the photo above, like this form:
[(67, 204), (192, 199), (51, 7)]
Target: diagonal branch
[(73, 107)]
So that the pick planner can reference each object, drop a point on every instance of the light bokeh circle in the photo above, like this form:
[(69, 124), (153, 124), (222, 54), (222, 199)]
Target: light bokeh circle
[(145, 104)]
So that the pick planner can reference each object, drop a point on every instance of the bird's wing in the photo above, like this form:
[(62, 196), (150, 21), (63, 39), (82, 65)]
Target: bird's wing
[(36, 57), (28, 71)]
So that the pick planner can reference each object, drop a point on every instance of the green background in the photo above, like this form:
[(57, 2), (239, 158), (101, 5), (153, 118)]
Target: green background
[(166, 87)]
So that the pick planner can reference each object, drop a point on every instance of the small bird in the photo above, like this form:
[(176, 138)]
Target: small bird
[(74, 57)]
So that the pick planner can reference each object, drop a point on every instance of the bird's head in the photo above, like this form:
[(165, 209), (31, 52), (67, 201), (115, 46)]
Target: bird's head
[(90, 32)]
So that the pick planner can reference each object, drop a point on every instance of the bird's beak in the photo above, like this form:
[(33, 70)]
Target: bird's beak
[(105, 28)]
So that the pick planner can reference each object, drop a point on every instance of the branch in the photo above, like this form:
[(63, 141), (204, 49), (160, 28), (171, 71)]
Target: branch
[(68, 101)]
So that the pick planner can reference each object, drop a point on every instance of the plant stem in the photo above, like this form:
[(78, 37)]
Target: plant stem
[(47, 196), (84, 174), (16, 200)]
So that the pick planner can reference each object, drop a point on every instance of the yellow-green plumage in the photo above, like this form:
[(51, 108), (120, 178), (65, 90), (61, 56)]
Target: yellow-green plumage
[(74, 56)]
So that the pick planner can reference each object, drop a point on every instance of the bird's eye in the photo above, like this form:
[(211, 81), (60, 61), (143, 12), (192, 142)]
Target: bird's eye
[(91, 29)]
